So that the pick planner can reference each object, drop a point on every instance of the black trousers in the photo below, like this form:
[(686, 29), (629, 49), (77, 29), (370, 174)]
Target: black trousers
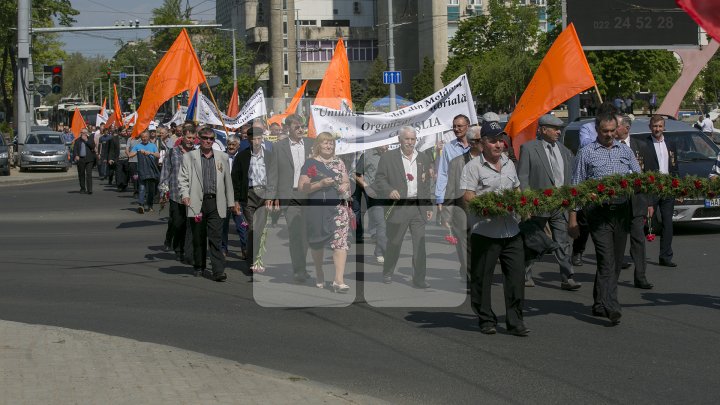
[(485, 253), (637, 248), (256, 218), (298, 240), (609, 226), (412, 218), (177, 224), (207, 236), (578, 246), (122, 173), (665, 208), (132, 173), (84, 168)]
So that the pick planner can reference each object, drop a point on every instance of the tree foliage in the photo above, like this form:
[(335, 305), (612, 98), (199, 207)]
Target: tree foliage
[(423, 84), (373, 85), (45, 47), (169, 13)]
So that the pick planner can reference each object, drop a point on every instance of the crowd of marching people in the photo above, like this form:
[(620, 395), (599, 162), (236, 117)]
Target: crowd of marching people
[(264, 173)]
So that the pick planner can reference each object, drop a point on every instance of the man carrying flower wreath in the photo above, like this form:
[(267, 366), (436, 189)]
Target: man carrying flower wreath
[(609, 222)]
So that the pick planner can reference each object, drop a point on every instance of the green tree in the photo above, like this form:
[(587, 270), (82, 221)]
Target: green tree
[(168, 14), (374, 86), (45, 47), (497, 50), (78, 75), (215, 50), (423, 84), (138, 54)]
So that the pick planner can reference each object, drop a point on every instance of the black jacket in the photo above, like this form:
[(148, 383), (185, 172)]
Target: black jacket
[(241, 173), (89, 147)]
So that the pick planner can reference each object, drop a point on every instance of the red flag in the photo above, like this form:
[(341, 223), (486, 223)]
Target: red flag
[(705, 12), (563, 73), (292, 107), (334, 91), (233, 107), (179, 70), (78, 123)]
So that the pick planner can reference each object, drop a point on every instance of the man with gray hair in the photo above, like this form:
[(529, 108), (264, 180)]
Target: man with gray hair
[(403, 175)]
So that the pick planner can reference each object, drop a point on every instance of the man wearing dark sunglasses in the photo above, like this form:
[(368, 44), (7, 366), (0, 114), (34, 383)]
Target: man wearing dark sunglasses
[(207, 192)]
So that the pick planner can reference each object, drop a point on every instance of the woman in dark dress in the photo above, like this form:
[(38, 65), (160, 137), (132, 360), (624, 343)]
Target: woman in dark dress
[(325, 181)]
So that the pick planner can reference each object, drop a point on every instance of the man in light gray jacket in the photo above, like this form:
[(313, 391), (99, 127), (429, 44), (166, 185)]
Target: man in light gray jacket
[(206, 190)]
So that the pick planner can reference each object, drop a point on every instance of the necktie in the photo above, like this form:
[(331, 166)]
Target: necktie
[(555, 166)]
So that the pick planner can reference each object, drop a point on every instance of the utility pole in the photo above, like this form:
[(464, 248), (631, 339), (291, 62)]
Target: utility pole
[(297, 49), (391, 54), (22, 96), (134, 100)]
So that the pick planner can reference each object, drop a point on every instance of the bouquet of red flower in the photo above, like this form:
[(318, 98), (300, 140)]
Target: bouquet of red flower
[(650, 235)]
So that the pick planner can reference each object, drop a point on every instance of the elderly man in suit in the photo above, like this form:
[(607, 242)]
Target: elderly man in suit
[(546, 163), (641, 205), (288, 157), (84, 152), (661, 156), (206, 190), (250, 184), (404, 176)]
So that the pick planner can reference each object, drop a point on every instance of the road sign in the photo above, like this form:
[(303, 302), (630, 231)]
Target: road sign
[(44, 89), (123, 75), (640, 24), (392, 77)]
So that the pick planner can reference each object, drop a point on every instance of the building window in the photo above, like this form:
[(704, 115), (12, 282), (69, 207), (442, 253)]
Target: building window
[(453, 13), (322, 51), (306, 22), (453, 2), (285, 61), (286, 79)]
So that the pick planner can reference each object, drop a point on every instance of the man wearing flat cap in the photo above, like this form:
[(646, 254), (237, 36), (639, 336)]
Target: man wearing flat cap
[(545, 163)]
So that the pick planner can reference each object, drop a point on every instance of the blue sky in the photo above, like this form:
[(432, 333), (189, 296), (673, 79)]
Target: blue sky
[(105, 13)]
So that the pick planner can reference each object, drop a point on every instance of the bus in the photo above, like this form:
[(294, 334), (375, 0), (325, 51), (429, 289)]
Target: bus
[(63, 112), (42, 115)]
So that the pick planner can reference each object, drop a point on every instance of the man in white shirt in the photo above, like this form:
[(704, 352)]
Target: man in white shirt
[(707, 126)]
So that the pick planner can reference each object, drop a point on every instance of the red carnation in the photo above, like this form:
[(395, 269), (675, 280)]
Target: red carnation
[(651, 179), (548, 192), (661, 187), (536, 202), (638, 183), (710, 194), (523, 200), (698, 184), (600, 188), (410, 177), (312, 171), (675, 183), (485, 212), (684, 192), (623, 183), (611, 192), (500, 205), (509, 208), (565, 203), (573, 192)]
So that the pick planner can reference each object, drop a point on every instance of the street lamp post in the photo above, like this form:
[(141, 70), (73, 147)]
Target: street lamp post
[(133, 88)]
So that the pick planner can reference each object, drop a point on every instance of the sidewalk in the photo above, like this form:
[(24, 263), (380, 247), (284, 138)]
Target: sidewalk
[(36, 176), (51, 365)]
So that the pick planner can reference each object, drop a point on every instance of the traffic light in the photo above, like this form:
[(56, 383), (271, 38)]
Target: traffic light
[(109, 73), (57, 79)]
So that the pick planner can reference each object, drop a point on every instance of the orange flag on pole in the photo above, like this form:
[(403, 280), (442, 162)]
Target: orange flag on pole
[(292, 107), (233, 107), (78, 123), (179, 70), (118, 110), (334, 90), (563, 73), (102, 109)]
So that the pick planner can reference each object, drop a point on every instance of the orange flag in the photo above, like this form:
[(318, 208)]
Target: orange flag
[(335, 87), (179, 70), (118, 112), (102, 109), (78, 123), (279, 118), (563, 73), (233, 107)]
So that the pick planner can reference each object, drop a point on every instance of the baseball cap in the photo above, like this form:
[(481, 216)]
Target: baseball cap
[(490, 129), (549, 120)]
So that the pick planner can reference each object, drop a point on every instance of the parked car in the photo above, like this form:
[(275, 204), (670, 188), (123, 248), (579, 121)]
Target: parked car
[(45, 150), (4, 157), (696, 156)]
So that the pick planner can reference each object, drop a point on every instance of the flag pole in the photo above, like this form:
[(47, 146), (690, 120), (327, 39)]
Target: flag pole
[(597, 91), (227, 133)]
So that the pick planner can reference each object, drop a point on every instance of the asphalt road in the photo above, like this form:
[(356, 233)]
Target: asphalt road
[(93, 263)]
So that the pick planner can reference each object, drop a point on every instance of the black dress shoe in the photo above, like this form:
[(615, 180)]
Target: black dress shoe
[(301, 277), (577, 260), (387, 279), (598, 312), (614, 317), (522, 332), (667, 263), (488, 330), (644, 285), (197, 272), (421, 284), (219, 277), (89, 192), (625, 266)]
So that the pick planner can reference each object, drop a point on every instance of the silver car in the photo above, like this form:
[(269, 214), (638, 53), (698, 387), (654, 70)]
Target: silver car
[(4, 157), (44, 150)]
